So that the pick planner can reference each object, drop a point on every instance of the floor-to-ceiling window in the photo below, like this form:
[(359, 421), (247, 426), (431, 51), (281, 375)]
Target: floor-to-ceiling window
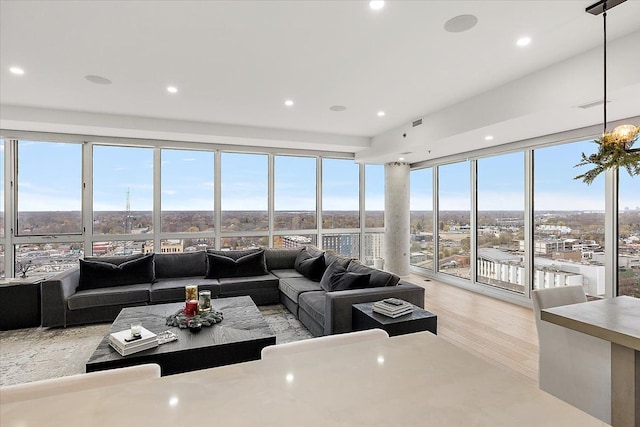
[(500, 221), (341, 206), (295, 211), (374, 242), (122, 199), (187, 199), (245, 195), (454, 219), (421, 218), (568, 244), (629, 234)]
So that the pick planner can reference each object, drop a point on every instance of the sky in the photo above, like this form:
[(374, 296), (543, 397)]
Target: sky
[(49, 178)]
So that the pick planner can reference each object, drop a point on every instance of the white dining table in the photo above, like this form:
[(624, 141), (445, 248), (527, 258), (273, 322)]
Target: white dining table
[(408, 380), (616, 320)]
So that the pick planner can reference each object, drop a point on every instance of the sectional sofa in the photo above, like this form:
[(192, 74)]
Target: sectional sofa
[(319, 288)]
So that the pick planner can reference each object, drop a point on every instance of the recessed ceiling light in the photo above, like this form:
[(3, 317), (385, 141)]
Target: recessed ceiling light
[(376, 4), (523, 41), (380, 113), (488, 138), (99, 80), (401, 159), (172, 89), (16, 70), (460, 23), (337, 108), (288, 103)]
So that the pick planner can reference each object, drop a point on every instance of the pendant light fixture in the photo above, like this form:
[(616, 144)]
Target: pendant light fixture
[(614, 147)]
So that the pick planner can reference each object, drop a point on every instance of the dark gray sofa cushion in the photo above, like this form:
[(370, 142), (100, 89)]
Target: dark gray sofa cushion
[(235, 254), (313, 304), (99, 274), (116, 295), (220, 266), (337, 278), (235, 285), (311, 267), (286, 273), (378, 278), (172, 289), (330, 258), (181, 265), (293, 287), (117, 260), (281, 259)]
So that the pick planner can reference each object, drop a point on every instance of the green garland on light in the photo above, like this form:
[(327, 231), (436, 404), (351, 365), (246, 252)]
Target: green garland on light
[(611, 153), (207, 318)]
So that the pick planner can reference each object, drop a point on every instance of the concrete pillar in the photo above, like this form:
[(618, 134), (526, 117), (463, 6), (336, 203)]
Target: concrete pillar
[(396, 218)]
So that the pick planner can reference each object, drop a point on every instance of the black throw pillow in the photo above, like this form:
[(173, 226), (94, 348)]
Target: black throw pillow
[(97, 274), (337, 278), (220, 266), (310, 267)]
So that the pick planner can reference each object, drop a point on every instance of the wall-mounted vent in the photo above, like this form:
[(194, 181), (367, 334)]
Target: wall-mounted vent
[(416, 122), (592, 104)]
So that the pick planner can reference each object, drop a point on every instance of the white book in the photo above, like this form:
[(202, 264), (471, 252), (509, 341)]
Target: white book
[(134, 349), (119, 338), (407, 310), (392, 308)]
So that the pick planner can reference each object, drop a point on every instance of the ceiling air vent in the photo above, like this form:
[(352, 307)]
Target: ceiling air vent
[(592, 104), (416, 122)]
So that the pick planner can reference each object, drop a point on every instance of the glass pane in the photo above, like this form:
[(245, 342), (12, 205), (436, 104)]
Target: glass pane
[(187, 191), (295, 241), (122, 190), (49, 188), (374, 195), (340, 194), (568, 221), (2, 196), (454, 197), (236, 243), (46, 259), (244, 192), (421, 211), (343, 244), (2, 258), (629, 233), (374, 250), (501, 221), (122, 248), (295, 193)]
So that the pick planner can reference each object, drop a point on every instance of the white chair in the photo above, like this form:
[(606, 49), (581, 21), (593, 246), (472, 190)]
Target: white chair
[(572, 366), (322, 342), (80, 382)]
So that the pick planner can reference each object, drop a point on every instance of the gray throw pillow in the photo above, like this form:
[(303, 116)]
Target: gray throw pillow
[(311, 267), (220, 266), (337, 278), (97, 274)]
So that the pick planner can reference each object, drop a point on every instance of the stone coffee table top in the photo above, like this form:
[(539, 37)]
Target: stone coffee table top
[(243, 323)]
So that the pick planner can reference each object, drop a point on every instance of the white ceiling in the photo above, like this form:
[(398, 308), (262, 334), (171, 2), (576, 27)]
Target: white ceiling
[(235, 62)]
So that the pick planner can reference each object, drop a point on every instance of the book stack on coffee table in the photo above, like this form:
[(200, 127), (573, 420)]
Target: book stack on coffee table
[(124, 343), (392, 307)]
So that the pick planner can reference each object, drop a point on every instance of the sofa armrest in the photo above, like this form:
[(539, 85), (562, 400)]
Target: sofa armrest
[(337, 309), (55, 292)]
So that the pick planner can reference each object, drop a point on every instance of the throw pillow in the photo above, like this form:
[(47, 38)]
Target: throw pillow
[(337, 278), (379, 278), (97, 274), (310, 267), (220, 266)]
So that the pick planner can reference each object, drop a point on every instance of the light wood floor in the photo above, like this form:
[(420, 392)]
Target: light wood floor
[(499, 332)]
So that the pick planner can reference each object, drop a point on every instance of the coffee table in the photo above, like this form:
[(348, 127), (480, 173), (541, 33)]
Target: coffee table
[(240, 337)]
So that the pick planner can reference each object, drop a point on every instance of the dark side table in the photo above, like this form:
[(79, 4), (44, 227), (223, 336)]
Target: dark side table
[(20, 303), (417, 321)]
